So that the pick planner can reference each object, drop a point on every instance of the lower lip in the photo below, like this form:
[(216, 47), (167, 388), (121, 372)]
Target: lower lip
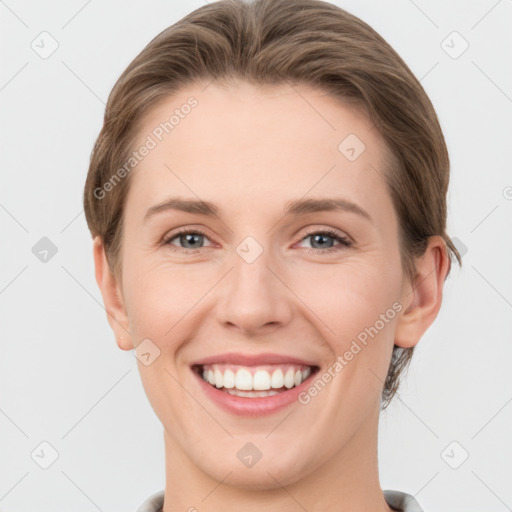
[(257, 406)]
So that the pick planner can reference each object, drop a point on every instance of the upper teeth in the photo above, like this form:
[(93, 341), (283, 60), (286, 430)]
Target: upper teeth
[(255, 378)]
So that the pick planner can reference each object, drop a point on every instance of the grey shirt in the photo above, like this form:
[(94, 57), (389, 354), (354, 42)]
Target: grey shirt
[(397, 500)]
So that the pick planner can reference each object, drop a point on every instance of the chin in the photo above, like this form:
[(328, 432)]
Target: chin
[(276, 468)]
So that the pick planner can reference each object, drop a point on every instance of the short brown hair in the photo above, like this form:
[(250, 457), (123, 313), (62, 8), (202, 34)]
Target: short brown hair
[(273, 42)]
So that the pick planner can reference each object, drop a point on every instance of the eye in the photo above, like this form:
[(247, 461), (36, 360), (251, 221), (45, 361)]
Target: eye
[(191, 240), (324, 241)]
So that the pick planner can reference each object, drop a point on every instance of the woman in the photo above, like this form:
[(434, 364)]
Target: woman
[(267, 198)]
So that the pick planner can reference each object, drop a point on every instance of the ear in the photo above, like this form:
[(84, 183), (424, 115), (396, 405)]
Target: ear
[(422, 298), (112, 297)]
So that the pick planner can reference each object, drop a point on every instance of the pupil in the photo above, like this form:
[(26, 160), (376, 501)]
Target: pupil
[(189, 237), (317, 238)]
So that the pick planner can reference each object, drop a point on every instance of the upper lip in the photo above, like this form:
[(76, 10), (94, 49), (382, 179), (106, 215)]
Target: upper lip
[(252, 359)]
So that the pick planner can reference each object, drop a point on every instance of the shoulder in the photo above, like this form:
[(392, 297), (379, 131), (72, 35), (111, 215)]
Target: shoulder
[(401, 501), (154, 503)]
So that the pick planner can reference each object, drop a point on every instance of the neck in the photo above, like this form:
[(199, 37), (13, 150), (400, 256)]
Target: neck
[(347, 481)]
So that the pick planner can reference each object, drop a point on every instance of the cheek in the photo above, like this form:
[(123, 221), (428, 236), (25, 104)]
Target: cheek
[(164, 301), (161, 296), (358, 302), (350, 296)]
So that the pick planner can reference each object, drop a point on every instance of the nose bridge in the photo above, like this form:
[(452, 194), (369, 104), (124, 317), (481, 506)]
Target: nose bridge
[(254, 297), (251, 274)]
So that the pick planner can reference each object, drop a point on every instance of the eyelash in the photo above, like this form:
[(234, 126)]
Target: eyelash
[(343, 241)]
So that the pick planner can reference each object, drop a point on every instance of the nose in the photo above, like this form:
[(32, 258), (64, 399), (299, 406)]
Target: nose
[(254, 299)]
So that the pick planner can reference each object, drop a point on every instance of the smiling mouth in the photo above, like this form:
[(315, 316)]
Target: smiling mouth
[(254, 381)]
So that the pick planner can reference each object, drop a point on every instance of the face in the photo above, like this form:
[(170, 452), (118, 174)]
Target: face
[(284, 293)]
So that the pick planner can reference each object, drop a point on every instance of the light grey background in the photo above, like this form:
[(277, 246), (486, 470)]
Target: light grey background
[(63, 379)]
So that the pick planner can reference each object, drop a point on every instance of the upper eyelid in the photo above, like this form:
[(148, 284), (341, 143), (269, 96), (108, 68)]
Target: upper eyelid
[(329, 231)]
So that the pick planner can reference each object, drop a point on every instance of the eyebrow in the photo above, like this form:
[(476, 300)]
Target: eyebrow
[(293, 208)]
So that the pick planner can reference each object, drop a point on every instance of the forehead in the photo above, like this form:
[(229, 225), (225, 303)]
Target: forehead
[(253, 144)]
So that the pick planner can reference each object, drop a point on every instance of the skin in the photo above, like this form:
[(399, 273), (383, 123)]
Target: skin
[(250, 150)]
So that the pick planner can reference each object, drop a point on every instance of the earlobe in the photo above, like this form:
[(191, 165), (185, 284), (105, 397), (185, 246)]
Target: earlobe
[(422, 300), (112, 297)]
